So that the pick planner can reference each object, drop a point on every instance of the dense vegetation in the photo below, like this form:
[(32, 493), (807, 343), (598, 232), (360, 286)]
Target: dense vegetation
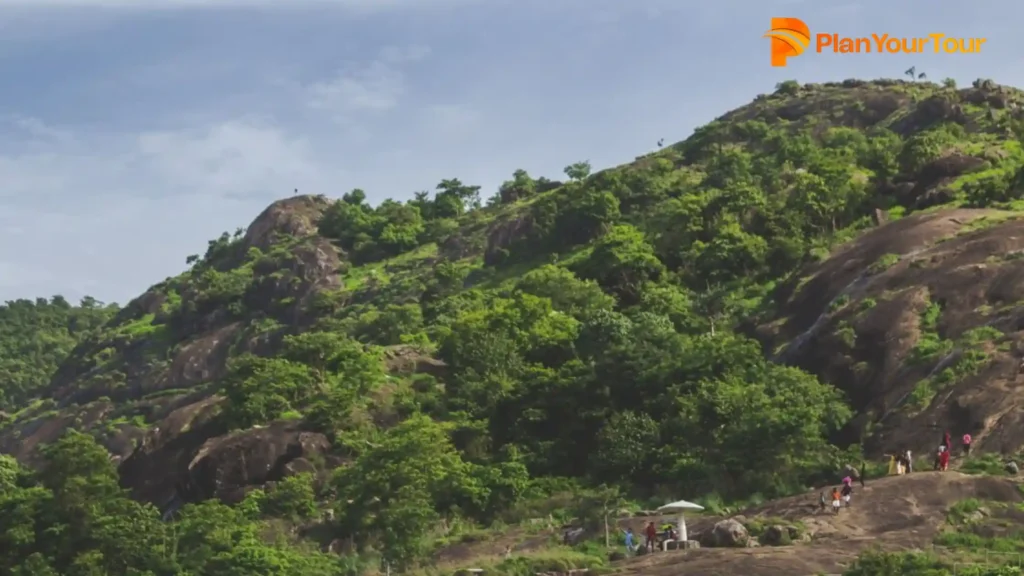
[(35, 337), (73, 519), (596, 337)]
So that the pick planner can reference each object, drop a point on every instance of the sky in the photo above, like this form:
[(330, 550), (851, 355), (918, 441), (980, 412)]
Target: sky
[(134, 131)]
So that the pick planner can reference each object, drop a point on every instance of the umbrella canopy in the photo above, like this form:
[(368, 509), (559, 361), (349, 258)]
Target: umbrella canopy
[(680, 506)]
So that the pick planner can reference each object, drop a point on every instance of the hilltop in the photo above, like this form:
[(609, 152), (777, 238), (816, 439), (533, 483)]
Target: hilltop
[(825, 274)]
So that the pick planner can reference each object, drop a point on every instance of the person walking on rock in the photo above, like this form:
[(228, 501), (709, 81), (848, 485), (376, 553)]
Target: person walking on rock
[(944, 460), (847, 493), (821, 501), (967, 445), (938, 457), (836, 502), (863, 476)]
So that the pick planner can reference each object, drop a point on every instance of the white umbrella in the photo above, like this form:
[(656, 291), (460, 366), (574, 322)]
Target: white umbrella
[(679, 507)]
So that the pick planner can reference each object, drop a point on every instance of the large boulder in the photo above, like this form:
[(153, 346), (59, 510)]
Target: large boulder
[(191, 457), (726, 534), (777, 535), (228, 466)]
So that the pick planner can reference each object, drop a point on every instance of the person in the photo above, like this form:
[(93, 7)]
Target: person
[(944, 460), (892, 465), (847, 493), (821, 501), (910, 462), (945, 440), (967, 445), (847, 481), (630, 545), (835, 500), (863, 476), (666, 533), (652, 537), (904, 462)]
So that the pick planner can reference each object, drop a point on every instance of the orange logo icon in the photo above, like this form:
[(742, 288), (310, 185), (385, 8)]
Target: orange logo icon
[(790, 37)]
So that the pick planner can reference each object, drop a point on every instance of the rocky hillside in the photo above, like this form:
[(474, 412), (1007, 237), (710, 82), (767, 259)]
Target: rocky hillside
[(830, 267)]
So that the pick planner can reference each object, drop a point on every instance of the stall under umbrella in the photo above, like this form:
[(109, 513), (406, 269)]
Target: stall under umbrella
[(679, 507)]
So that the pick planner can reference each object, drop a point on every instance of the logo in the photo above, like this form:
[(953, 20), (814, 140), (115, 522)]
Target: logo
[(790, 37)]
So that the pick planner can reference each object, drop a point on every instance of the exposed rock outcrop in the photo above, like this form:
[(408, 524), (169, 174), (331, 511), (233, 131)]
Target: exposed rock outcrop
[(725, 534)]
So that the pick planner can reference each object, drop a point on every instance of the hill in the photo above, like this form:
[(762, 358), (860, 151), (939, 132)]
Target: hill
[(827, 270)]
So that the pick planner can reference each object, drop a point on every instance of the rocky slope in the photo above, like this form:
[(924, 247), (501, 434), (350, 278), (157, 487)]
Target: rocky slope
[(895, 514), (920, 322), (865, 232)]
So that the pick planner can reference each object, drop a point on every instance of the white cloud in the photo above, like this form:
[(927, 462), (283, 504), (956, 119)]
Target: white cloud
[(236, 157), (375, 87), (113, 211)]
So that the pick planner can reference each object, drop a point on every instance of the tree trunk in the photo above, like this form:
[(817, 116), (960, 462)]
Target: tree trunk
[(607, 535)]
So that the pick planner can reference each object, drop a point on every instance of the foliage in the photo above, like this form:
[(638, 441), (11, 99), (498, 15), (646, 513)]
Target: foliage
[(72, 518), (594, 334), (36, 336)]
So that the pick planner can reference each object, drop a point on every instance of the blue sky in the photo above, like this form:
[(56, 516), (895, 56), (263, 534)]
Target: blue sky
[(133, 131)]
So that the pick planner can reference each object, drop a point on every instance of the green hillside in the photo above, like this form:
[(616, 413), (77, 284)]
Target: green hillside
[(393, 380)]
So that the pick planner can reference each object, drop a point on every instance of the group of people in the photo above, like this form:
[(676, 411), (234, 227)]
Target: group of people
[(943, 455), (840, 496), (651, 532), (904, 463), (901, 464)]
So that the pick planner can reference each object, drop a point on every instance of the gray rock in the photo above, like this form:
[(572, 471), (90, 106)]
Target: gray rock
[(726, 534)]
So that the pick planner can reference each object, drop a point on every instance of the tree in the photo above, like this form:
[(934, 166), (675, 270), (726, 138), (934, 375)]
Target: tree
[(396, 490), (622, 263), (578, 171), (623, 445), (354, 198), (521, 186), (567, 292)]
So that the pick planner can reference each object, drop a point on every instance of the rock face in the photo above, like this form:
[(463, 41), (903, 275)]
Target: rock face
[(407, 360), (725, 534), (225, 466), (857, 321), (189, 457)]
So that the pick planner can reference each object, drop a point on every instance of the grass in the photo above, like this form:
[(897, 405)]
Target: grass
[(932, 348), (885, 262), (984, 464), (758, 528)]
